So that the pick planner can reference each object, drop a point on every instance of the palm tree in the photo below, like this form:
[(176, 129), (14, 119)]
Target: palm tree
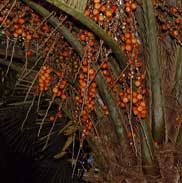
[(106, 73)]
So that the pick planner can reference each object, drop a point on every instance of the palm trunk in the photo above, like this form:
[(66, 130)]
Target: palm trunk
[(149, 161), (158, 123)]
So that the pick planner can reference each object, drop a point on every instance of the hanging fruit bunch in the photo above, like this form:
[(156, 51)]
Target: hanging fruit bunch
[(133, 91), (87, 85), (103, 12), (20, 23), (45, 78), (170, 20), (129, 89)]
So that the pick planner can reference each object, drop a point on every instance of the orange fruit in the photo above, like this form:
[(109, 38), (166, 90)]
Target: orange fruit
[(21, 20), (139, 96), (134, 100), (137, 83), (128, 9), (108, 13), (133, 6), (125, 100), (128, 47), (52, 118)]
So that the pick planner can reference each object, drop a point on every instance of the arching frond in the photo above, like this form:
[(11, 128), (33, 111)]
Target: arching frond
[(79, 5)]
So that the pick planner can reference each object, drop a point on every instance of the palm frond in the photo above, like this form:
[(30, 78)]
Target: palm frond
[(79, 5), (10, 121)]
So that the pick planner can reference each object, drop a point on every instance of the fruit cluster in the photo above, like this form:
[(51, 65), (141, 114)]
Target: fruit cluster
[(58, 90), (53, 118), (106, 72), (45, 78), (170, 20), (130, 6), (132, 92), (104, 13), (87, 84), (130, 42), (100, 10), (21, 23)]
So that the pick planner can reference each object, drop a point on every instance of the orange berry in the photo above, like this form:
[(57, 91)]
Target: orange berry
[(123, 105), (95, 12), (128, 91), (105, 72), (127, 4), (90, 35), (133, 6), (82, 37), (121, 94), (142, 103), (17, 26), (52, 118), (137, 83), (135, 111), (103, 8), (97, 1), (24, 34), (128, 47), (85, 62), (143, 114), (21, 20), (174, 10), (104, 65), (19, 31), (83, 84), (59, 114), (175, 33), (134, 94), (135, 100), (85, 69), (139, 96), (128, 9), (129, 134), (109, 79), (140, 108), (101, 18), (127, 35), (1, 19), (128, 41), (164, 27), (59, 73), (178, 20), (113, 8), (55, 90), (108, 13), (94, 85), (29, 37), (62, 84), (134, 40), (16, 35), (125, 100), (82, 76), (129, 96), (77, 98), (97, 6), (8, 21), (91, 42), (87, 13), (91, 71)]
